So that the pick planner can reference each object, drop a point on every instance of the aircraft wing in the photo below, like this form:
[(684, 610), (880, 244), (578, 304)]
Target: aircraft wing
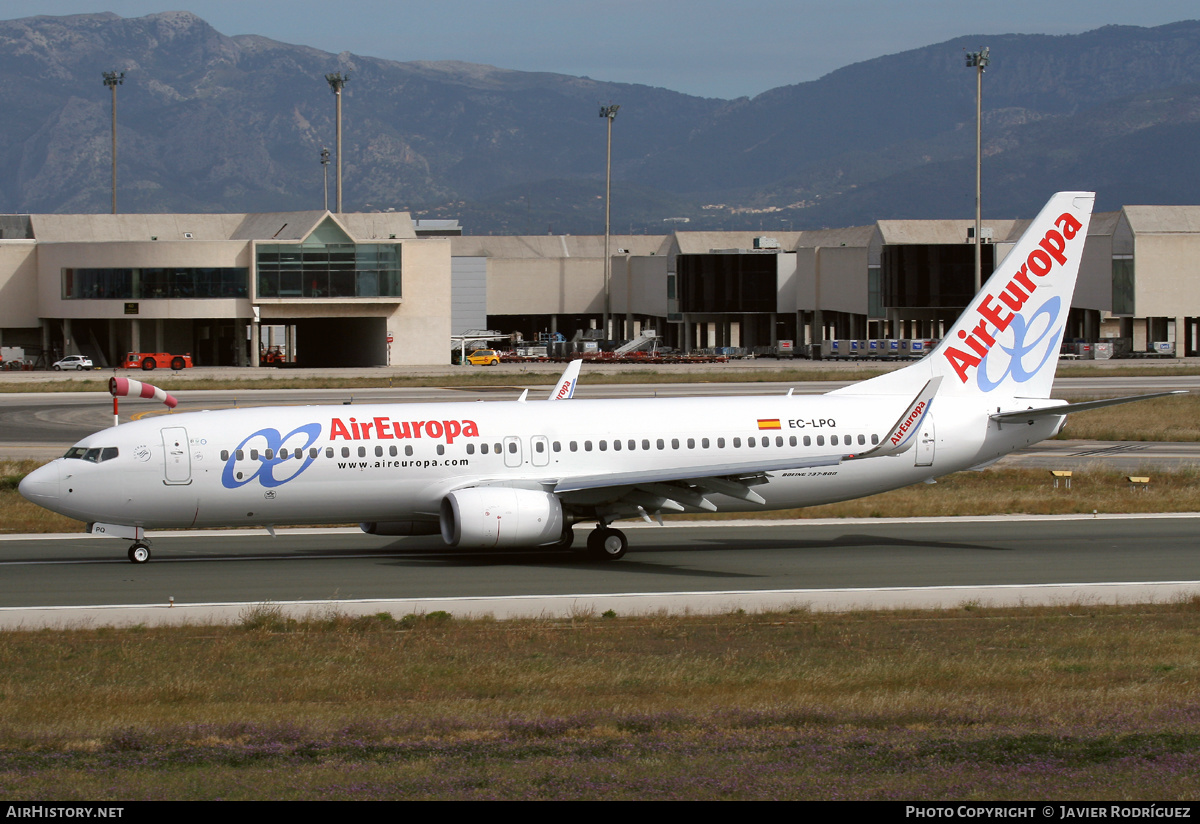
[(677, 490), (1021, 415), (691, 473)]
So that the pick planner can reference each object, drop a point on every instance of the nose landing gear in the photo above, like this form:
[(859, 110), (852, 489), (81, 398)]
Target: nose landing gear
[(139, 553)]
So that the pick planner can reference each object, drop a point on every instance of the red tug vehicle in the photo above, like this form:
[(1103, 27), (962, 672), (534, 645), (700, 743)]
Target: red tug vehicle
[(157, 360)]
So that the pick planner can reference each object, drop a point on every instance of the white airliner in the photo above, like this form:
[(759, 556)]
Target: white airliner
[(521, 473)]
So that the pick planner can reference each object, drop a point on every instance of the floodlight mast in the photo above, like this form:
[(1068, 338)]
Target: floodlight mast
[(978, 61), (325, 172), (336, 82), (112, 80), (609, 113)]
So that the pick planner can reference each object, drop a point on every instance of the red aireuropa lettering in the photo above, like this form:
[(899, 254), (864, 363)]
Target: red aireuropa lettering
[(386, 429), (908, 422), (1051, 249)]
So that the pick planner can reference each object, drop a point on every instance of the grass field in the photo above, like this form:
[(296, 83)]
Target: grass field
[(1162, 419), (543, 376), (467, 377), (1073, 703)]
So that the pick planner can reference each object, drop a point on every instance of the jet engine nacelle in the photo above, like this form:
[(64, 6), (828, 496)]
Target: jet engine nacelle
[(400, 527), (500, 516)]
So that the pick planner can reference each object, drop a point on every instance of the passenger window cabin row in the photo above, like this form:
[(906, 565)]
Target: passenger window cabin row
[(539, 446)]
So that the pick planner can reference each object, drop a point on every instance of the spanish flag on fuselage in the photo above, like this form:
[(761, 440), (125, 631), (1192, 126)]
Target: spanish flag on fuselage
[(768, 423)]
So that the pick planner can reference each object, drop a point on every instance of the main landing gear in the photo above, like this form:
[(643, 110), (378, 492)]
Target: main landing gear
[(139, 553), (603, 543), (607, 544), (564, 542)]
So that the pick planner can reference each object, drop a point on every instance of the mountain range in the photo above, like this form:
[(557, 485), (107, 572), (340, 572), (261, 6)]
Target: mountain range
[(212, 123)]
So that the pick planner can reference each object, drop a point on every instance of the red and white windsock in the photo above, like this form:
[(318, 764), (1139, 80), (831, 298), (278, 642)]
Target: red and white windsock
[(129, 388)]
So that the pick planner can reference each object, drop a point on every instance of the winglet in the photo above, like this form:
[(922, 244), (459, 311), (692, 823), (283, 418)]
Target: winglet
[(565, 388), (903, 433)]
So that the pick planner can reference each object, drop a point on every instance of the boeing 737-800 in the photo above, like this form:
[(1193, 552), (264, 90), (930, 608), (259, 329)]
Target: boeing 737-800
[(521, 473)]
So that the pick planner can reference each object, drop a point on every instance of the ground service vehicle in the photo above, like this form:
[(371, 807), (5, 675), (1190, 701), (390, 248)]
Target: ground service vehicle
[(76, 362), (156, 360), (272, 356), (521, 474), (484, 357)]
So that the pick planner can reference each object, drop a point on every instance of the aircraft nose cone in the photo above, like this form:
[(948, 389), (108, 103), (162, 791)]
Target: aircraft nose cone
[(41, 484)]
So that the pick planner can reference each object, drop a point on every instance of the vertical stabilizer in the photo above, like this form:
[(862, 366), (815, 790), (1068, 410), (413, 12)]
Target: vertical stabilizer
[(1006, 343), (565, 388)]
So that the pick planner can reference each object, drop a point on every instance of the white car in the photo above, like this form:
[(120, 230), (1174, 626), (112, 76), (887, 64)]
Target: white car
[(77, 362)]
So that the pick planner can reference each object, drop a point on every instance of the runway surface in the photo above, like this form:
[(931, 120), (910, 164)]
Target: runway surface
[(822, 564)]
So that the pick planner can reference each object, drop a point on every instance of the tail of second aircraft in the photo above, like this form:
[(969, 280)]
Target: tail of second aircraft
[(1006, 343)]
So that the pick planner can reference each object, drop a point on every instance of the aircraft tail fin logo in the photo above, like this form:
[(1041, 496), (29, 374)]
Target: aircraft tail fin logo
[(565, 388), (1008, 338)]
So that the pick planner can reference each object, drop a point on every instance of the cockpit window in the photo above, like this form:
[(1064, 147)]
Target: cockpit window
[(93, 455)]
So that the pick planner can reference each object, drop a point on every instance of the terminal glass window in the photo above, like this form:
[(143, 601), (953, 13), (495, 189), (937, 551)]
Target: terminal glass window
[(875, 293), (1123, 284), (328, 264), (173, 282), (938, 276), (727, 283)]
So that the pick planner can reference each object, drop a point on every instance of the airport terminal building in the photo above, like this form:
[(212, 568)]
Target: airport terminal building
[(344, 287), (374, 289), (892, 279)]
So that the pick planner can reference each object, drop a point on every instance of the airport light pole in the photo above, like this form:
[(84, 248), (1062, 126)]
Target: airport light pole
[(325, 171), (609, 113), (978, 61), (336, 82), (112, 80)]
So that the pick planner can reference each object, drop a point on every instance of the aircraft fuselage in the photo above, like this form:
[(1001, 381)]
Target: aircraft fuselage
[(389, 462)]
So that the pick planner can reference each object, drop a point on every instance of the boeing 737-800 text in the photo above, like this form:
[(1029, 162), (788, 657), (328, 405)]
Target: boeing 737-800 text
[(521, 473)]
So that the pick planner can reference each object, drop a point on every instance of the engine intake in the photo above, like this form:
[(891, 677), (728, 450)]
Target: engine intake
[(500, 516)]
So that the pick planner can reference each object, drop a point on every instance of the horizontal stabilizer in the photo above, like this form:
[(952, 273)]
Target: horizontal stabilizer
[(1067, 408)]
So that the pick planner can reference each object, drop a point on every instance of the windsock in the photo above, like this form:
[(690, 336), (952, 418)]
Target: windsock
[(127, 387)]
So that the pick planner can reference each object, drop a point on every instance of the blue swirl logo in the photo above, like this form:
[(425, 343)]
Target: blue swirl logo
[(1020, 347), (271, 471)]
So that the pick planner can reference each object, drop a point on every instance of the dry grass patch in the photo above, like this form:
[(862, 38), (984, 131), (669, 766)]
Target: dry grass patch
[(1073, 702), (1032, 664), (18, 515), (594, 374), (599, 374), (1162, 419), (1133, 370)]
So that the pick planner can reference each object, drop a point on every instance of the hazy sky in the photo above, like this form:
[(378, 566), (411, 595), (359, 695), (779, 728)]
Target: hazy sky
[(712, 48)]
